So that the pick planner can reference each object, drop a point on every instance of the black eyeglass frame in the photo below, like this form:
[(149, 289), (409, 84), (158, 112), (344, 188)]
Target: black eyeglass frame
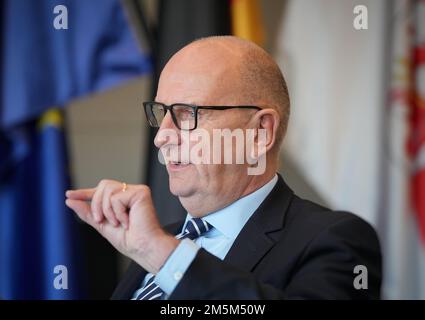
[(195, 109)]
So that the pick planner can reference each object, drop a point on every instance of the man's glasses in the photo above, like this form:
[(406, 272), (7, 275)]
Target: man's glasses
[(185, 116)]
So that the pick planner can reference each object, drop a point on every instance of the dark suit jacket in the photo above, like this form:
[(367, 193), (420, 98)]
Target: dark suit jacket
[(290, 248)]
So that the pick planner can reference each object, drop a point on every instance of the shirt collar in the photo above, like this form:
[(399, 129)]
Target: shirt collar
[(230, 220)]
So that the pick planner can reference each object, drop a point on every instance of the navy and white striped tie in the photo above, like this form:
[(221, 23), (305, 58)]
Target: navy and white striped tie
[(194, 228)]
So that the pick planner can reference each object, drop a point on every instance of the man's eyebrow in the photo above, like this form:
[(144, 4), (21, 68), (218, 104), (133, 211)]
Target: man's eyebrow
[(189, 102)]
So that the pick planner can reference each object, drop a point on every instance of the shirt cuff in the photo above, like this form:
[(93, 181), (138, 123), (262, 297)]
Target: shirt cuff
[(176, 265)]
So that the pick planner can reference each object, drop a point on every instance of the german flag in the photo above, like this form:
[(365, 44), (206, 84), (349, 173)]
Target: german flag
[(180, 22), (247, 20)]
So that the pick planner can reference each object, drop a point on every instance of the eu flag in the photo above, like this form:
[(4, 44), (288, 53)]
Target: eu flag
[(43, 67), (38, 235)]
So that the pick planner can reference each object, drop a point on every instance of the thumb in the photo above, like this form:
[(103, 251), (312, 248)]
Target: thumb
[(142, 216)]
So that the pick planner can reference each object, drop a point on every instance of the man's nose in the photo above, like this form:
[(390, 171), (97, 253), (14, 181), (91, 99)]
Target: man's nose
[(167, 133)]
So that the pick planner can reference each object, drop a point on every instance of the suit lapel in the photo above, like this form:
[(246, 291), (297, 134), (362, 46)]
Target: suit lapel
[(253, 242)]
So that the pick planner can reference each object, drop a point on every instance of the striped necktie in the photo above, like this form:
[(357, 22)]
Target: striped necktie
[(194, 228)]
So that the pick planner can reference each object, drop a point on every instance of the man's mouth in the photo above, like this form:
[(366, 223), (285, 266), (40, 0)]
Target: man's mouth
[(176, 165), (179, 162)]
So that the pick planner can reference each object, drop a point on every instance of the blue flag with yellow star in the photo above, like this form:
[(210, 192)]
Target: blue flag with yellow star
[(51, 51)]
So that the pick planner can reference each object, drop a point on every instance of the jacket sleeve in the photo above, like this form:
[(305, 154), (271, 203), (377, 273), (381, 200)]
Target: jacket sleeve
[(324, 270)]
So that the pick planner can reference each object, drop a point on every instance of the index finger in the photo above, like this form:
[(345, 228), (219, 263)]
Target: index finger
[(81, 194)]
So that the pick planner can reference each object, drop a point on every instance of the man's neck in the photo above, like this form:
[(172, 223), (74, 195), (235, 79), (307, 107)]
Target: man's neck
[(212, 206)]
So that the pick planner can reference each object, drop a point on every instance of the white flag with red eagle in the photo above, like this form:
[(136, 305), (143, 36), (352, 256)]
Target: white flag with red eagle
[(357, 128), (402, 222)]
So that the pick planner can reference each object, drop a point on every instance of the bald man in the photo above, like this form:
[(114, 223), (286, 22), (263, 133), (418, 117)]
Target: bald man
[(246, 234)]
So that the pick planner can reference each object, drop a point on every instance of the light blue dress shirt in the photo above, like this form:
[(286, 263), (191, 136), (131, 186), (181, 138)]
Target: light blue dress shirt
[(227, 223)]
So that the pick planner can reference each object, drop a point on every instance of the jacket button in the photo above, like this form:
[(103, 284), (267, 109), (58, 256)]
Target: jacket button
[(177, 275)]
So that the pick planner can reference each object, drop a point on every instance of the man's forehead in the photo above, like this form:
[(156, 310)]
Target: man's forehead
[(197, 66), (195, 85)]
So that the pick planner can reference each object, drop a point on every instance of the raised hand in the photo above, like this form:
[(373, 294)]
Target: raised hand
[(125, 216)]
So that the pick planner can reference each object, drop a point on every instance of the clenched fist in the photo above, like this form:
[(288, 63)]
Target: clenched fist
[(126, 217)]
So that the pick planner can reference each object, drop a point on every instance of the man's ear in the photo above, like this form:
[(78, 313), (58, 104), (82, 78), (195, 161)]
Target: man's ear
[(266, 123)]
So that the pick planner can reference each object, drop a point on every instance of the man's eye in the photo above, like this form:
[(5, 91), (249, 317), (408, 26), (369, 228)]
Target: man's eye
[(185, 113), (189, 113)]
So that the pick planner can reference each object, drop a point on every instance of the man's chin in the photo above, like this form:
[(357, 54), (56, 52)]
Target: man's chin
[(179, 186)]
